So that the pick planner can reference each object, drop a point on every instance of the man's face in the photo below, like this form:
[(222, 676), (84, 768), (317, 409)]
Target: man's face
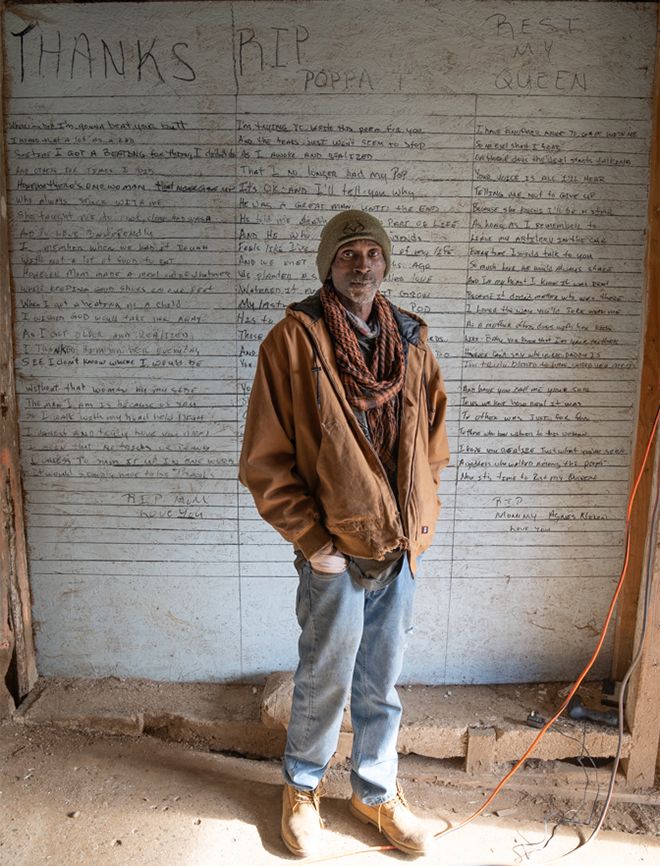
[(357, 272)]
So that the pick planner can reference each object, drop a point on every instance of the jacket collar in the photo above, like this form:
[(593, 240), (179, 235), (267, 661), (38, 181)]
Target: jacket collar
[(411, 327)]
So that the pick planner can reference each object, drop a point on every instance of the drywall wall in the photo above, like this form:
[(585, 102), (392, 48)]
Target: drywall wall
[(170, 168)]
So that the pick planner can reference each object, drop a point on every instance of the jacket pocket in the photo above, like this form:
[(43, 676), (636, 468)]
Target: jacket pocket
[(427, 508)]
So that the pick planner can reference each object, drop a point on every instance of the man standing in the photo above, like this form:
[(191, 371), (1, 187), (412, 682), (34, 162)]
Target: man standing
[(344, 442)]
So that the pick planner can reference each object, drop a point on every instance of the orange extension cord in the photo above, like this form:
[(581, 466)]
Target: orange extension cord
[(564, 704)]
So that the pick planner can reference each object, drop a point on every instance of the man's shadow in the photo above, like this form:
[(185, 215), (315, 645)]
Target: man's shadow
[(227, 788)]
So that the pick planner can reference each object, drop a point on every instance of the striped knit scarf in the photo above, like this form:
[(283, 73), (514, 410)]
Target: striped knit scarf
[(375, 390)]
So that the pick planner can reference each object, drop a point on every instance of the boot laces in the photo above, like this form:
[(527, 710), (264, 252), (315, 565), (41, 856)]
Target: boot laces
[(397, 800), (308, 798)]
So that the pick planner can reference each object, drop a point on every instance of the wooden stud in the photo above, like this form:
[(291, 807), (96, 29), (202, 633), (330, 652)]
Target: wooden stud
[(644, 694), (648, 404)]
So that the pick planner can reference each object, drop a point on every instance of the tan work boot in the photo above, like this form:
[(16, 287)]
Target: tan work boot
[(301, 821), (396, 822)]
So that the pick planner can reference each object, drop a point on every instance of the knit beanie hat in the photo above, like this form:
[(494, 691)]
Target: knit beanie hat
[(347, 226)]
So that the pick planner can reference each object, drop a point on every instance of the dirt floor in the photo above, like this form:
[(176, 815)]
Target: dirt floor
[(76, 798)]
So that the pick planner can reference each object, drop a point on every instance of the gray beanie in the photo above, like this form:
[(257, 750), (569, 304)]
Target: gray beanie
[(347, 226)]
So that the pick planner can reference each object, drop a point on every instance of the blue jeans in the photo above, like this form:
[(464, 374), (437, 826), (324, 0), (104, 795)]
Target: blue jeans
[(352, 641)]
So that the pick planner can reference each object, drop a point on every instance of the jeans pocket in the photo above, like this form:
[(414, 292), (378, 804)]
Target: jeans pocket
[(323, 576)]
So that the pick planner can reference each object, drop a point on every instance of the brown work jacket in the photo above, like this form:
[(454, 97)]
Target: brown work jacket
[(313, 473)]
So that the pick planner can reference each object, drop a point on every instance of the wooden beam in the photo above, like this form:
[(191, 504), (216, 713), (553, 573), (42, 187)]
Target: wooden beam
[(644, 694), (480, 751), (648, 403), (643, 699), (7, 705), (16, 640)]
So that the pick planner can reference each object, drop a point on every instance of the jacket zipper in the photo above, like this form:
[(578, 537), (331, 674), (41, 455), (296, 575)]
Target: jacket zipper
[(316, 369)]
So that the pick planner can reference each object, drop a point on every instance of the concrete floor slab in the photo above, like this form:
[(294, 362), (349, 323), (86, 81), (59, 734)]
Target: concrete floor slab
[(70, 798)]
